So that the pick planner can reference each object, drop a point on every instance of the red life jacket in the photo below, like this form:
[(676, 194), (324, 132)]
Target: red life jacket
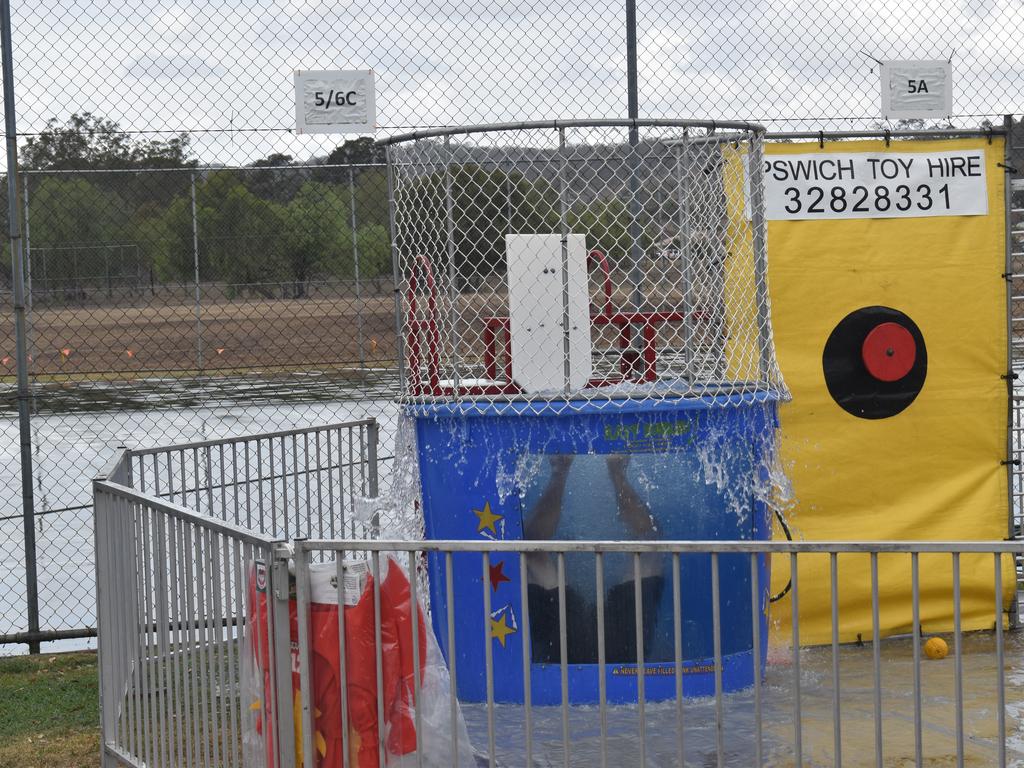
[(361, 681)]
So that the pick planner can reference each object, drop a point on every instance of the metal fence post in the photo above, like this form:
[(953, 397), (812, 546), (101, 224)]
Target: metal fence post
[(563, 228), (195, 267), (355, 265), (1012, 467), (396, 269), (279, 590), (372, 443), (633, 113), (758, 223), (372, 479), (102, 564), (20, 329)]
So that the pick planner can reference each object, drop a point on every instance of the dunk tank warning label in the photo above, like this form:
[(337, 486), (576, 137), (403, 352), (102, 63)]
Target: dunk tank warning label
[(865, 185)]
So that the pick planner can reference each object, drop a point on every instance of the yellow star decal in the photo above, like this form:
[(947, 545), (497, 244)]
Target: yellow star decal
[(487, 518), (500, 630)]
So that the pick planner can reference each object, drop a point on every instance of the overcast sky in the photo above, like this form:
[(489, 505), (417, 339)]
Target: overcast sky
[(215, 67)]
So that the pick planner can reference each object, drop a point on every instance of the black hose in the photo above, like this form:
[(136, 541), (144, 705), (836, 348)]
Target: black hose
[(789, 537)]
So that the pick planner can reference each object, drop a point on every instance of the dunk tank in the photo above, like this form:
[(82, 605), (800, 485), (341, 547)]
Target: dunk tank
[(588, 357)]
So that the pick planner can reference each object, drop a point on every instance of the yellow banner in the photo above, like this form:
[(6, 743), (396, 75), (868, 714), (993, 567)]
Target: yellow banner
[(931, 471)]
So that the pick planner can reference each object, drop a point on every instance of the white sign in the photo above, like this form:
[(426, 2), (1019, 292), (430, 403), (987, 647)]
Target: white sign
[(875, 185), (335, 102), (917, 89)]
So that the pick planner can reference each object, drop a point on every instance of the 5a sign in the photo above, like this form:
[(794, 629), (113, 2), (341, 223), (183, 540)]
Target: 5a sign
[(917, 89), (341, 101)]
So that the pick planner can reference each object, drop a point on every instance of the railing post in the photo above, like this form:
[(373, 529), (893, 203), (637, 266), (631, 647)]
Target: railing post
[(279, 590), (103, 562), (372, 478), (372, 443)]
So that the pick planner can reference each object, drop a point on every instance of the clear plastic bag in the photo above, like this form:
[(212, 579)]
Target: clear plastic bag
[(397, 672)]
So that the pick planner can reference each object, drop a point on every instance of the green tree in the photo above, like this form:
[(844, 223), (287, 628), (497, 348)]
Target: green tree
[(86, 141), (240, 236), (275, 177), (361, 151), (74, 224), (606, 224), (486, 205), (371, 196), (317, 238), (374, 255)]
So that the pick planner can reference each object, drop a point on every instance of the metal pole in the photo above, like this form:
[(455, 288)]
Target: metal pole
[(195, 267), (633, 113), (1012, 470), (563, 227), (632, 90), (355, 263), (683, 173), (453, 272), (20, 329), (28, 253), (759, 225), (396, 270)]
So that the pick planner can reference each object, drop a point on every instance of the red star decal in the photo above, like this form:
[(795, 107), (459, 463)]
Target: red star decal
[(498, 575)]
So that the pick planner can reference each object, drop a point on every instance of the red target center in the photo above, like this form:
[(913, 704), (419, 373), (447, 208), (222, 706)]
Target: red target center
[(889, 352)]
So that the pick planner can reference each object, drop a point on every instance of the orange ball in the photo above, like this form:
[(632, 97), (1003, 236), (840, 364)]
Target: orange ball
[(936, 648)]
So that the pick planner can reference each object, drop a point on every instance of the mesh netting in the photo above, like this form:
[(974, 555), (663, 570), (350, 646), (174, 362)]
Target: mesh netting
[(579, 262)]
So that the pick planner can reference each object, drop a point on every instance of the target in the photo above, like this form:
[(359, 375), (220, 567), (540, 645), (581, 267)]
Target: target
[(875, 362)]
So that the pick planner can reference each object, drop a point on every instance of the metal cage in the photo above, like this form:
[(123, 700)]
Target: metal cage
[(582, 261)]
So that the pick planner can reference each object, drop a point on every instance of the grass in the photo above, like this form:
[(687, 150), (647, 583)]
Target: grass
[(49, 711)]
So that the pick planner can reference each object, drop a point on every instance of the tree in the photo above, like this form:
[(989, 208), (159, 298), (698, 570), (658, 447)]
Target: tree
[(273, 160), (374, 255), (88, 142), (355, 156), (276, 178), (361, 151), (486, 205), (75, 225), (240, 236), (317, 237)]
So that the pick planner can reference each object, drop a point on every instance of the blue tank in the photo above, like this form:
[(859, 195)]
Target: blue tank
[(667, 469)]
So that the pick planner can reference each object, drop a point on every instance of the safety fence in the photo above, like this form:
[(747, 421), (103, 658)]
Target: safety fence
[(223, 645), (288, 484)]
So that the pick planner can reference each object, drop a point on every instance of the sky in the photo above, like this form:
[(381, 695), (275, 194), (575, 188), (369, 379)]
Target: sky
[(222, 69)]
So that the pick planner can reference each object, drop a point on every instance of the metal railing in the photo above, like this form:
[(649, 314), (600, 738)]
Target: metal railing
[(171, 579), (180, 572), (298, 483)]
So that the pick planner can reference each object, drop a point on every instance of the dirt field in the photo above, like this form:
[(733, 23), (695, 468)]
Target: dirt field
[(126, 342)]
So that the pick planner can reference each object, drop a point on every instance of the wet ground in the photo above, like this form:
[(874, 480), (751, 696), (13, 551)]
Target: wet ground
[(857, 721)]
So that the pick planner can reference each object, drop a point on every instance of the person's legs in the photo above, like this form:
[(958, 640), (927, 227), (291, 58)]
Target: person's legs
[(620, 618), (580, 628)]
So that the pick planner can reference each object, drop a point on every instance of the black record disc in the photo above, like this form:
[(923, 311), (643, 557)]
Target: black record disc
[(875, 362)]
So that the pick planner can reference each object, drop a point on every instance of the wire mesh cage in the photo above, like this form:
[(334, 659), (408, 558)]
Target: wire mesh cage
[(582, 261)]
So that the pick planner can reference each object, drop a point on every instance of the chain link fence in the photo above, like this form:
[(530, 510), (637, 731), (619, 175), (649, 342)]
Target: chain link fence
[(179, 305), (196, 269)]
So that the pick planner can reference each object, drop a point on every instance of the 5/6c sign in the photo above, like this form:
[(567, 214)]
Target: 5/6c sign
[(335, 98), (334, 102)]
